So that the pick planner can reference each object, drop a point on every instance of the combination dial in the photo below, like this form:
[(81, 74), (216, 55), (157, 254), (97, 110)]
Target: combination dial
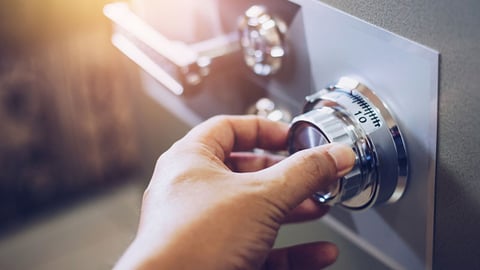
[(350, 113)]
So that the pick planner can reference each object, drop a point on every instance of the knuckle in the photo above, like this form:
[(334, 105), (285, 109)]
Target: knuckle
[(220, 119), (261, 192)]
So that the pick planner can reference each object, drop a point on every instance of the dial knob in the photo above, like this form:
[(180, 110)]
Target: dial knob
[(350, 113)]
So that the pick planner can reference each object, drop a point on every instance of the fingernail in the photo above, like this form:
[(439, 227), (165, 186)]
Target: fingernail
[(344, 158)]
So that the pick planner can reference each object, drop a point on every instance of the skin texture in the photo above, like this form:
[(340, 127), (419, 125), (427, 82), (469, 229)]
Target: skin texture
[(213, 203)]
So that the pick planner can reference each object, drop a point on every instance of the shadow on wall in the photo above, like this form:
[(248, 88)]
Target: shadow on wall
[(65, 106)]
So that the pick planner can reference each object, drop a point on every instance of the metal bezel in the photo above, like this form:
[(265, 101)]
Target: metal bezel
[(397, 138), (361, 141)]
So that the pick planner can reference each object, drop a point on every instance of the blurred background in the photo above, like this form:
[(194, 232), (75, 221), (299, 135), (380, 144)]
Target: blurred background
[(78, 137)]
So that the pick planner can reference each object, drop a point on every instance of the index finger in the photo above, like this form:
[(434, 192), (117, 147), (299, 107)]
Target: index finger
[(225, 134)]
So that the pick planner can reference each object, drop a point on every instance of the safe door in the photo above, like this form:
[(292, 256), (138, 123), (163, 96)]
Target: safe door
[(333, 78)]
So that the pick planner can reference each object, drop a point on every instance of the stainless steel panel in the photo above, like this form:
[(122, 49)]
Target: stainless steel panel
[(404, 74), (324, 45)]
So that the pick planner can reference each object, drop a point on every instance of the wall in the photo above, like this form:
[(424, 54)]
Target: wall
[(452, 28), (65, 106)]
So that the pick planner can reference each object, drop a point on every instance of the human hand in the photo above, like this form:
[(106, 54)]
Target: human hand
[(211, 205)]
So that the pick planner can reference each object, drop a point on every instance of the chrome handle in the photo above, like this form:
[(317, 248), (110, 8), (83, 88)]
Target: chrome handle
[(175, 64), (262, 40)]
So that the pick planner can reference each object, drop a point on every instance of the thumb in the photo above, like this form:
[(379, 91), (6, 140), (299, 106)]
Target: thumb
[(297, 177)]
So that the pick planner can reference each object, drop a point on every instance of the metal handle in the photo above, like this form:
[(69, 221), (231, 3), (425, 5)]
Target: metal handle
[(175, 64)]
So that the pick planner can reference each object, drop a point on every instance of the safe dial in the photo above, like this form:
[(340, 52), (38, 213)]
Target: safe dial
[(350, 113)]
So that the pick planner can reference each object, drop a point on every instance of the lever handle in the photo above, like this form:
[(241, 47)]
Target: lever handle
[(175, 64)]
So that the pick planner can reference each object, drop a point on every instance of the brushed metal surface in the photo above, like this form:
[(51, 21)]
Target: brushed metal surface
[(451, 27), (404, 74)]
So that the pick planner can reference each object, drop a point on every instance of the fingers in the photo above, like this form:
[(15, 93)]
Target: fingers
[(251, 162), (297, 177), (224, 134), (302, 257), (307, 210)]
